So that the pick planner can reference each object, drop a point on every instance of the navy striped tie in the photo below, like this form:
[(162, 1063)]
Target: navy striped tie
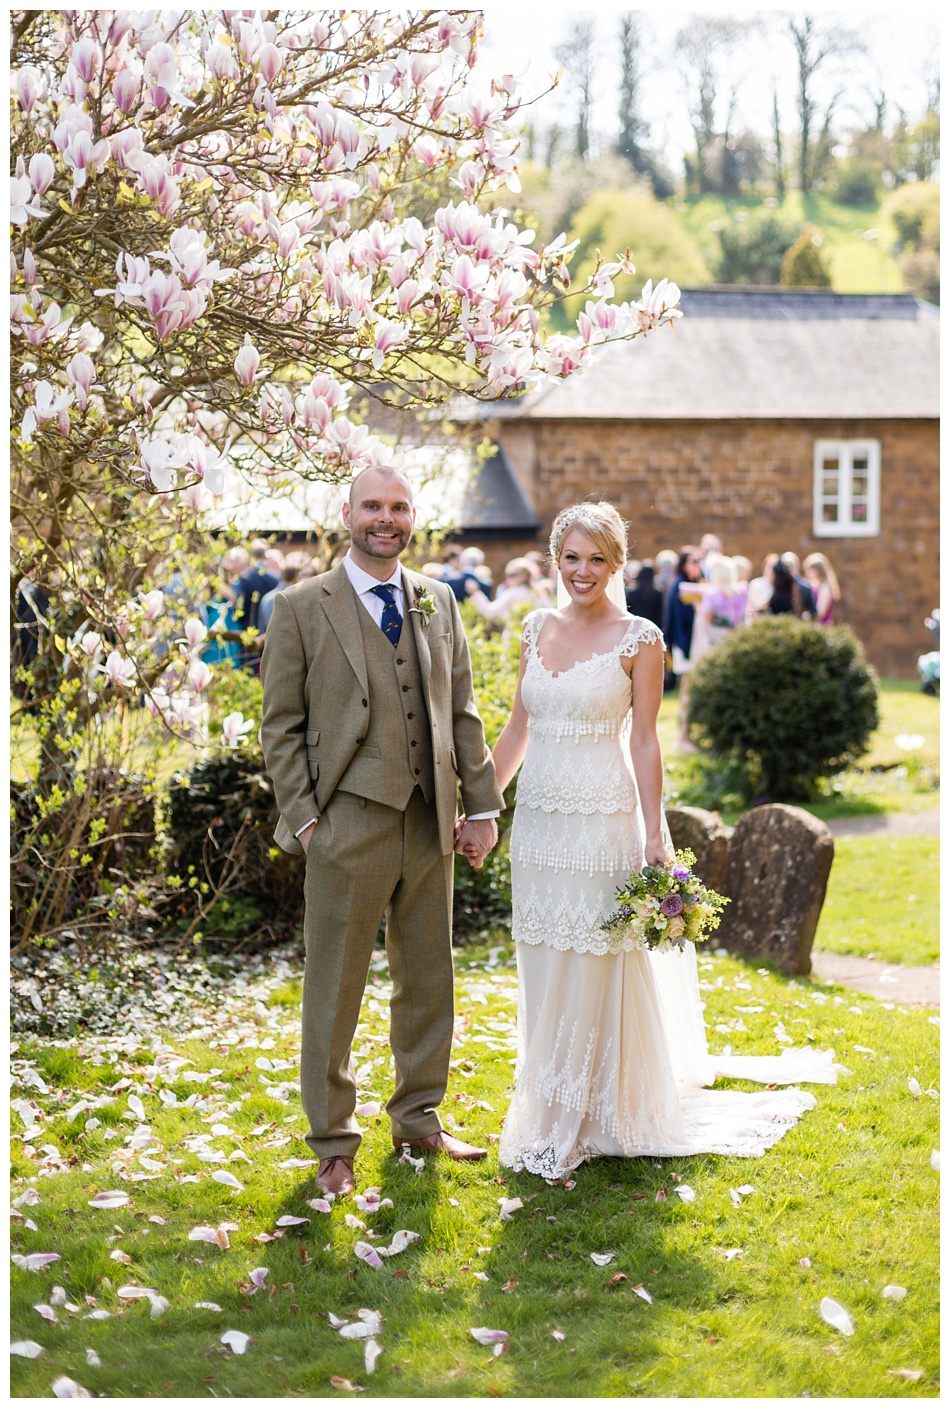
[(391, 624)]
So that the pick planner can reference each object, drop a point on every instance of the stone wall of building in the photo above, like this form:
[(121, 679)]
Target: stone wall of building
[(751, 482)]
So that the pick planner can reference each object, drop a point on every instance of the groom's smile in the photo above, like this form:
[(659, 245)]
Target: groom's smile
[(380, 517)]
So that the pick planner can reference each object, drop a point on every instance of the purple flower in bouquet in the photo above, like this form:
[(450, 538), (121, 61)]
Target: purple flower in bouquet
[(680, 872), (671, 905)]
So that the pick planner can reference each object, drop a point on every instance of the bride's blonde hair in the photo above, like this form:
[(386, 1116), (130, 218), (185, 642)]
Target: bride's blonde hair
[(599, 522)]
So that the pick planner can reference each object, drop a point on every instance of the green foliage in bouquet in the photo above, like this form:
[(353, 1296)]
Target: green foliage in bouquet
[(788, 702), (664, 907)]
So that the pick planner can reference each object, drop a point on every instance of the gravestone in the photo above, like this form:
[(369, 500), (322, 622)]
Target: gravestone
[(776, 876), (707, 836)]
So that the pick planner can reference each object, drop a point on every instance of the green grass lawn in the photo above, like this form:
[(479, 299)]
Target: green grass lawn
[(843, 1206), (858, 265), (883, 899)]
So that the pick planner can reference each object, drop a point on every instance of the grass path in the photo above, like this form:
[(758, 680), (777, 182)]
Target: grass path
[(883, 899), (843, 1206)]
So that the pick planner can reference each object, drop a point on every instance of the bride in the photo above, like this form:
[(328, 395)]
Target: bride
[(612, 1053)]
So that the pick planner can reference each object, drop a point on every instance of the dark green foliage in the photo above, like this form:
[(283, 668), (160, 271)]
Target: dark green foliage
[(752, 253), (221, 826), (804, 265), (787, 701), (858, 183)]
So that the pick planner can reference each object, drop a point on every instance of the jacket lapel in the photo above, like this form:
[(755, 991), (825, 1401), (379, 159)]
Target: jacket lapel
[(342, 610), (409, 585)]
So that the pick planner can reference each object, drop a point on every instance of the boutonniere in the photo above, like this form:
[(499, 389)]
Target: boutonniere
[(423, 603)]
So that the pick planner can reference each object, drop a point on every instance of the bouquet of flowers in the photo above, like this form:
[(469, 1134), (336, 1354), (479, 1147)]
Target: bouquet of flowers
[(664, 906)]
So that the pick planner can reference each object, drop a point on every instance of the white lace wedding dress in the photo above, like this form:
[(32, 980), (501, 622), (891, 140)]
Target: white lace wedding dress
[(612, 1055)]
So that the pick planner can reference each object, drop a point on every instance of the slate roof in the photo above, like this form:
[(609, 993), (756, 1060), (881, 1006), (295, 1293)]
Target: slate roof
[(741, 353), (495, 503)]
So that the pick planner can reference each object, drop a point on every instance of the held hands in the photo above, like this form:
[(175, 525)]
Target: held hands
[(474, 839)]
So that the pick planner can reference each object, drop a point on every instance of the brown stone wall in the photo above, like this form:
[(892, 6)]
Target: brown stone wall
[(751, 483)]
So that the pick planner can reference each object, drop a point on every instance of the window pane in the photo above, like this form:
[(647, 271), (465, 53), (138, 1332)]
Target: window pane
[(829, 462), (829, 513), (860, 462), (859, 484), (829, 485), (859, 512)]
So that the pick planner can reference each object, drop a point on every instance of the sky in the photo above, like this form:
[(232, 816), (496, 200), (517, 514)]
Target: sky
[(900, 44)]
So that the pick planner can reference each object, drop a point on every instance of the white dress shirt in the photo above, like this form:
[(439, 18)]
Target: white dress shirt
[(363, 584)]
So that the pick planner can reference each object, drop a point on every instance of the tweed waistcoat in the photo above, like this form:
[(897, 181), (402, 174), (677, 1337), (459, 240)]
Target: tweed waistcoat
[(396, 753)]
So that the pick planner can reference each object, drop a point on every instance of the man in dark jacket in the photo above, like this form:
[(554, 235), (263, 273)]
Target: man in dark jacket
[(644, 599)]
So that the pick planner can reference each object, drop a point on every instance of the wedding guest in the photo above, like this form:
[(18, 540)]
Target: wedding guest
[(743, 568), (516, 590), (824, 584), (644, 599), (710, 547), (220, 609), (760, 589), (456, 576), (685, 590), (542, 580), (721, 610), (473, 560), (805, 594), (786, 598), (252, 586), (289, 575)]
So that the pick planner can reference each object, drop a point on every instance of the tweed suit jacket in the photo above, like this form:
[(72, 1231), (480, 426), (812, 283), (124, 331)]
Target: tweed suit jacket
[(317, 702)]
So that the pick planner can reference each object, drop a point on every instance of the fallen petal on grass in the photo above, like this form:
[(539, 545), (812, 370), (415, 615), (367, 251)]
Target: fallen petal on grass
[(257, 1277), (935, 1160), (68, 1388), (910, 1374), (371, 1354), (684, 1191), (221, 1175), (643, 1293), (207, 1305), (508, 1207), (236, 1340), (368, 1254), (913, 1085), (345, 1385), (111, 1199), (92, 1359), (26, 1349), (894, 1292), (47, 1312), (288, 1220), (489, 1337), (558, 1335), (34, 1261), (836, 1316), (602, 1258), (401, 1240), (320, 1205)]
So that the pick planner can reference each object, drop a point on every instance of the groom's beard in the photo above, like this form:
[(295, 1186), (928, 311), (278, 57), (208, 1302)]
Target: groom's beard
[(373, 546)]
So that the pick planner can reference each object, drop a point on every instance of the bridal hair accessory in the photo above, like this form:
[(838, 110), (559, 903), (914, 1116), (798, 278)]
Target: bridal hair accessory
[(601, 522), (423, 603), (665, 906)]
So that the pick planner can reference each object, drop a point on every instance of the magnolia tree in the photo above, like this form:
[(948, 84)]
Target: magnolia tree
[(228, 231)]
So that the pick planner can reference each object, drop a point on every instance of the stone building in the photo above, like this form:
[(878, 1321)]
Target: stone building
[(781, 420)]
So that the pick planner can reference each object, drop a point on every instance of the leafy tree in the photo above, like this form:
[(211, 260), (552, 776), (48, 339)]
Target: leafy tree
[(819, 47), (804, 265), (707, 50), (577, 54)]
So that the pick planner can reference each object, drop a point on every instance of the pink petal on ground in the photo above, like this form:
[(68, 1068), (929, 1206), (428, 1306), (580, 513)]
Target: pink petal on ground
[(288, 1220), (236, 1340), (26, 1349), (368, 1254), (68, 1388), (112, 1199), (488, 1337)]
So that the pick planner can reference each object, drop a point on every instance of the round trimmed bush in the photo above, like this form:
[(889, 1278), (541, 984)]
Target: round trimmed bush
[(788, 702)]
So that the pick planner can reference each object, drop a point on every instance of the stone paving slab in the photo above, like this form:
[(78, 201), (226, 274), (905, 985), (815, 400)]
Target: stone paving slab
[(892, 982)]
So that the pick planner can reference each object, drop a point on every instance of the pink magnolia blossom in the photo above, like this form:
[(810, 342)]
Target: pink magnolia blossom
[(196, 632), (153, 603), (199, 675), (235, 728), (386, 336), (42, 170), (81, 372), (247, 362), (270, 61), (119, 670), (160, 462), (22, 205), (47, 406), (86, 58), (29, 87), (126, 88), (90, 644)]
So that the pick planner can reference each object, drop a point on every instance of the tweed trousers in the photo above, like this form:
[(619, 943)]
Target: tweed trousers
[(366, 860)]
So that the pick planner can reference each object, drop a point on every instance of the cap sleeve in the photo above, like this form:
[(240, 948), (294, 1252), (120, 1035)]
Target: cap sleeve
[(532, 626), (640, 632)]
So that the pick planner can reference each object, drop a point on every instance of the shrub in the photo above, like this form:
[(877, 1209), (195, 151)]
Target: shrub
[(804, 265), (914, 211), (789, 702), (858, 182), (234, 880), (920, 271), (752, 253)]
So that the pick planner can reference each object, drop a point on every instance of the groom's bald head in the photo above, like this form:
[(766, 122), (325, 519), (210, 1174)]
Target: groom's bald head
[(366, 482)]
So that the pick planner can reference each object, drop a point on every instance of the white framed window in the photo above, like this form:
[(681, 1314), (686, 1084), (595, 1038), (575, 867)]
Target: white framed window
[(847, 488)]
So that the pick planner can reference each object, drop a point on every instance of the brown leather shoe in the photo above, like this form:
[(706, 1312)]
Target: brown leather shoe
[(442, 1143), (335, 1175)]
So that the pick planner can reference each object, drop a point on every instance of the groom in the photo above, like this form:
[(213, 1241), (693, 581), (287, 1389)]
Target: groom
[(369, 724)]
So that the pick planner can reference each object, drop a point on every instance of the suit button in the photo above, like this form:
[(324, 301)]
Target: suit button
[(413, 743), (365, 705), (405, 690), (416, 771), (410, 716), (398, 662)]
